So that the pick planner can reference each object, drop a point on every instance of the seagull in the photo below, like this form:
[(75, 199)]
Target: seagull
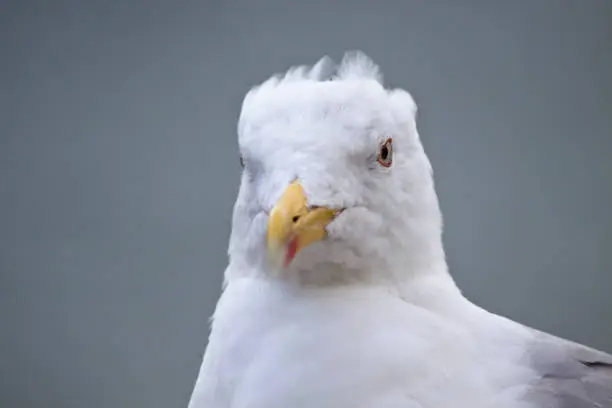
[(337, 293)]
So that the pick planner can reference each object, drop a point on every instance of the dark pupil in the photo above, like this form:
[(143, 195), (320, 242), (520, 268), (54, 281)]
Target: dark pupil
[(384, 152), (241, 162)]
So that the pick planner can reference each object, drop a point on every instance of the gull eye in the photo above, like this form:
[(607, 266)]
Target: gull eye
[(385, 153), (241, 162)]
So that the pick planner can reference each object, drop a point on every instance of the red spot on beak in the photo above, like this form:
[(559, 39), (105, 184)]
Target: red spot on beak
[(291, 251)]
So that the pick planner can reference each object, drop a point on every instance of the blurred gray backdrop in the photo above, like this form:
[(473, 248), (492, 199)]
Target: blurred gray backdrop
[(118, 169)]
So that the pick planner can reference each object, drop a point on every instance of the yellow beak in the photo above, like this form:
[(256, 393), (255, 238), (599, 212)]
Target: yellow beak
[(292, 225)]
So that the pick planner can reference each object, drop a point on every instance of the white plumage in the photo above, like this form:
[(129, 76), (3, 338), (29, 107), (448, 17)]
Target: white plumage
[(368, 316)]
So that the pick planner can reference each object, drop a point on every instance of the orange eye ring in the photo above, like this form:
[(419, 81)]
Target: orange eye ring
[(385, 153)]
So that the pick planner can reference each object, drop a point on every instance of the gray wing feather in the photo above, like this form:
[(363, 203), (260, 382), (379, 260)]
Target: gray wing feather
[(570, 375)]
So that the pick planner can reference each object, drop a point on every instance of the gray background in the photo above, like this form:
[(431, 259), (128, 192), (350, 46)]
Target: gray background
[(119, 168)]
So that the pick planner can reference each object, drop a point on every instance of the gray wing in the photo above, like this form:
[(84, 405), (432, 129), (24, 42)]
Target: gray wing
[(570, 375)]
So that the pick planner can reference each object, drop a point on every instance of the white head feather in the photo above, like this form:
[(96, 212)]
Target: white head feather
[(324, 126)]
